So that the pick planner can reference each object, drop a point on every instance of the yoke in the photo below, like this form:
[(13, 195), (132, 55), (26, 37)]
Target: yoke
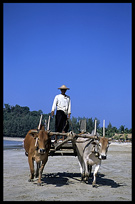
[(67, 146)]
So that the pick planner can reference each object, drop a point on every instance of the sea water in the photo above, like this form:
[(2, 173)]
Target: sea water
[(7, 144)]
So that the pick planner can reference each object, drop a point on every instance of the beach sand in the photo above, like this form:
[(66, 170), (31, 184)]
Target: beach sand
[(61, 178)]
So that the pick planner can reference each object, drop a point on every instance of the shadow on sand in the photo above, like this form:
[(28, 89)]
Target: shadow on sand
[(61, 179)]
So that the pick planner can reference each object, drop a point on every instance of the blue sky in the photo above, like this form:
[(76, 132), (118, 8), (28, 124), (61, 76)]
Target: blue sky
[(86, 46)]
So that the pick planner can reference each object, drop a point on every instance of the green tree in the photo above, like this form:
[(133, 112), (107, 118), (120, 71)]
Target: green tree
[(7, 108), (109, 127), (121, 129), (17, 121)]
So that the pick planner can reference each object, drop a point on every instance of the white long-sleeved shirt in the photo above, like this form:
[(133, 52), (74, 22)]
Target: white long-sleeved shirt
[(62, 103)]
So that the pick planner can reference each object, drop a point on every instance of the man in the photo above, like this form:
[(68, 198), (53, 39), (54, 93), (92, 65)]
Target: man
[(63, 104)]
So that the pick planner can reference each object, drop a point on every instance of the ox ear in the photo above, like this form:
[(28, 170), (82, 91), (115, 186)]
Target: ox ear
[(33, 133), (109, 139)]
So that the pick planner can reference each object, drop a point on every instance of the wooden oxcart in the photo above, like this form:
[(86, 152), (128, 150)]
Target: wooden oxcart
[(67, 146)]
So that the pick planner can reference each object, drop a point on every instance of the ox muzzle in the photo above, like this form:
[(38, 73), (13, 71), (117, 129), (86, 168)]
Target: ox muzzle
[(41, 151), (103, 157)]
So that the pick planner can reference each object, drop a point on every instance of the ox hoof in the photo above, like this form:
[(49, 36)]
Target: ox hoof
[(95, 185), (38, 184), (30, 180), (86, 179)]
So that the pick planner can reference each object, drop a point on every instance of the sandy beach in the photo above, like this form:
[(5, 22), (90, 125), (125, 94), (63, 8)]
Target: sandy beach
[(61, 178)]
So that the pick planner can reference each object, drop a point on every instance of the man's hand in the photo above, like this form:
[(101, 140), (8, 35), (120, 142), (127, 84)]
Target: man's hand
[(68, 116), (52, 113)]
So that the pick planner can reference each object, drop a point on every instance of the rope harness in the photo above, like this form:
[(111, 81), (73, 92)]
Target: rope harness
[(68, 121), (65, 125), (41, 151)]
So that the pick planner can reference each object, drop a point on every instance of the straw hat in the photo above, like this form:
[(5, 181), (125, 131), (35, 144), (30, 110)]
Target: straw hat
[(63, 87)]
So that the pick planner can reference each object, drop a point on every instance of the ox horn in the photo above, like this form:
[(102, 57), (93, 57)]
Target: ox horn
[(40, 122)]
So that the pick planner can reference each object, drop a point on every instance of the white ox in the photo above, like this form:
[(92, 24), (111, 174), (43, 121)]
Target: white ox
[(90, 152)]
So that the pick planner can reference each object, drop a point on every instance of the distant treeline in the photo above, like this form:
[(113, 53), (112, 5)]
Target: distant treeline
[(17, 121)]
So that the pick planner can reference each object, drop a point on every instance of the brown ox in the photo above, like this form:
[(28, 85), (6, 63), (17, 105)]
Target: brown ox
[(37, 144), (90, 152)]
